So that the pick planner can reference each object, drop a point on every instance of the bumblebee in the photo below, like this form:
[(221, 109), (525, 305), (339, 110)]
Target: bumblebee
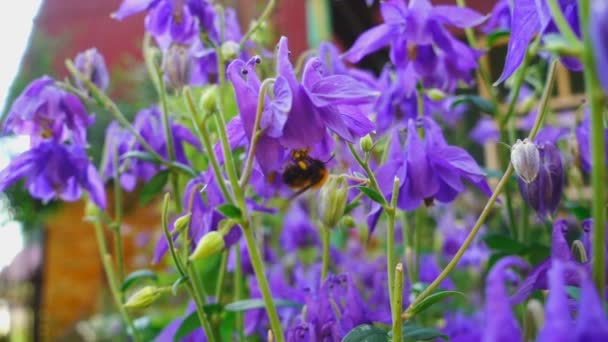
[(304, 172)]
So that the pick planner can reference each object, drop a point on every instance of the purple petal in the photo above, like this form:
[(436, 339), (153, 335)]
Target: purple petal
[(458, 16), (130, 7), (370, 41), (558, 323), (598, 31), (340, 89)]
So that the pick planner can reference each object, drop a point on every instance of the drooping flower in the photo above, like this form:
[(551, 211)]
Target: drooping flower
[(149, 125), (45, 112), (598, 31), (532, 17), (91, 64), (429, 169), (500, 323), (420, 46), (53, 170)]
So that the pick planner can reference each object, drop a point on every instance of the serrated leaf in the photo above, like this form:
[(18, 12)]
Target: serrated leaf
[(136, 276), (504, 244), (141, 155), (433, 299), (258, 303), (415, 333), (230, 211), (153, 187), (191, 322), (177, 283), (476, 101), (372, 194), (366, 333)]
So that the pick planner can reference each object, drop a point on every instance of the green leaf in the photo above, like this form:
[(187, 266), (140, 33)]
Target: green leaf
[(230, 211), (136, 276), (153, 187), (191, 322), (414, 333), (366, 333), (177, 283), (433, 299), (581, 212), (496, 36), (350, 207), (258, 303), (141, 155), (372, 194), (476, 101), (504, 244)]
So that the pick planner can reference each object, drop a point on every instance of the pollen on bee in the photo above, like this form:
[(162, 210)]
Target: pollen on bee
[(302, 165)]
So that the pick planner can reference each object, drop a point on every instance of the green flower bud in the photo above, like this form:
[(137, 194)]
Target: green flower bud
[(525, 158), (348, 221), (229, 50), (435, 94), (211, 243), (209, 99), (366, 143), (181, 224), (143, 298), (333, 201)]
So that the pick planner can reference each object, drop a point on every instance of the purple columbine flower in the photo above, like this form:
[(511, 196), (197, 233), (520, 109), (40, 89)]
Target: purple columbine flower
[(544, 193), (53, 170), (500, 18), (598, 30), (420, 45), (429, 169), (583, 137), (298, 231), (592, 324), (558, 322), (45, 112), (149, 125), (532, 17), (322, 101), (500, 324), (91, 64)]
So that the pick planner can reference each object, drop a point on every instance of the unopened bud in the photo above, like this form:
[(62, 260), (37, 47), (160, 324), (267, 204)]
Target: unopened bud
[(435, 94), (143, 298), (348, 221), (181, 224), (333, 201), (209, 99), (177, 65), (92, 66), (229, 50), (366, 143), (211, 243), (525, 159)]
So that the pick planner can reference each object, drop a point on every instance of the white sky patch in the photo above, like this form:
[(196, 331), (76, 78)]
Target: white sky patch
[(16, 19)]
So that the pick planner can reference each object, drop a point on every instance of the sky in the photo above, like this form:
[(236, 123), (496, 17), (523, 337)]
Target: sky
[(16, 19)]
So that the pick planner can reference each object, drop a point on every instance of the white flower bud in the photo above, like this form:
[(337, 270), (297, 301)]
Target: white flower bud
[(525, 158)]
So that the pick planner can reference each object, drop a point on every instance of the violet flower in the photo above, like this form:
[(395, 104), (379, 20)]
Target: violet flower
[(430, 169), (149, 125), (45, 112), (420, 45), (298, 231), (532, 17), (52, 170), (558, 322), (592, 324), (500, 18), (598, 31), (501, 324), (91, 64)]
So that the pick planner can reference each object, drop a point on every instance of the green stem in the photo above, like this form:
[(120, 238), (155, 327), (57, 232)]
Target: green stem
[(169, 138), (370, 174), (257, 133), (258, 23), (597, 101), (205, 139), (219, 287), (117, 224), (397, 303), (106, 260), (108, 104), (391, 257), (260, 275), (165, 225), (488, 207), (195, 292), (325, 238), (562, 24), (238, 285)]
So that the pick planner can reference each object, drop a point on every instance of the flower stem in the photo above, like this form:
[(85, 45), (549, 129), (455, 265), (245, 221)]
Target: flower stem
[(488, 207), (260, 274), (238, 284), (370, 174), (117, 224), (106, 260), (397, 303), (597, 101), (205, 139), (325, 237), (391, 257), (258, 23), (256, 134), (221, 276), (199, 300)]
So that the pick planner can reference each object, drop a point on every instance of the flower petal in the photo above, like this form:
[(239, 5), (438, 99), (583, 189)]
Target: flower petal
[(370, 41)]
